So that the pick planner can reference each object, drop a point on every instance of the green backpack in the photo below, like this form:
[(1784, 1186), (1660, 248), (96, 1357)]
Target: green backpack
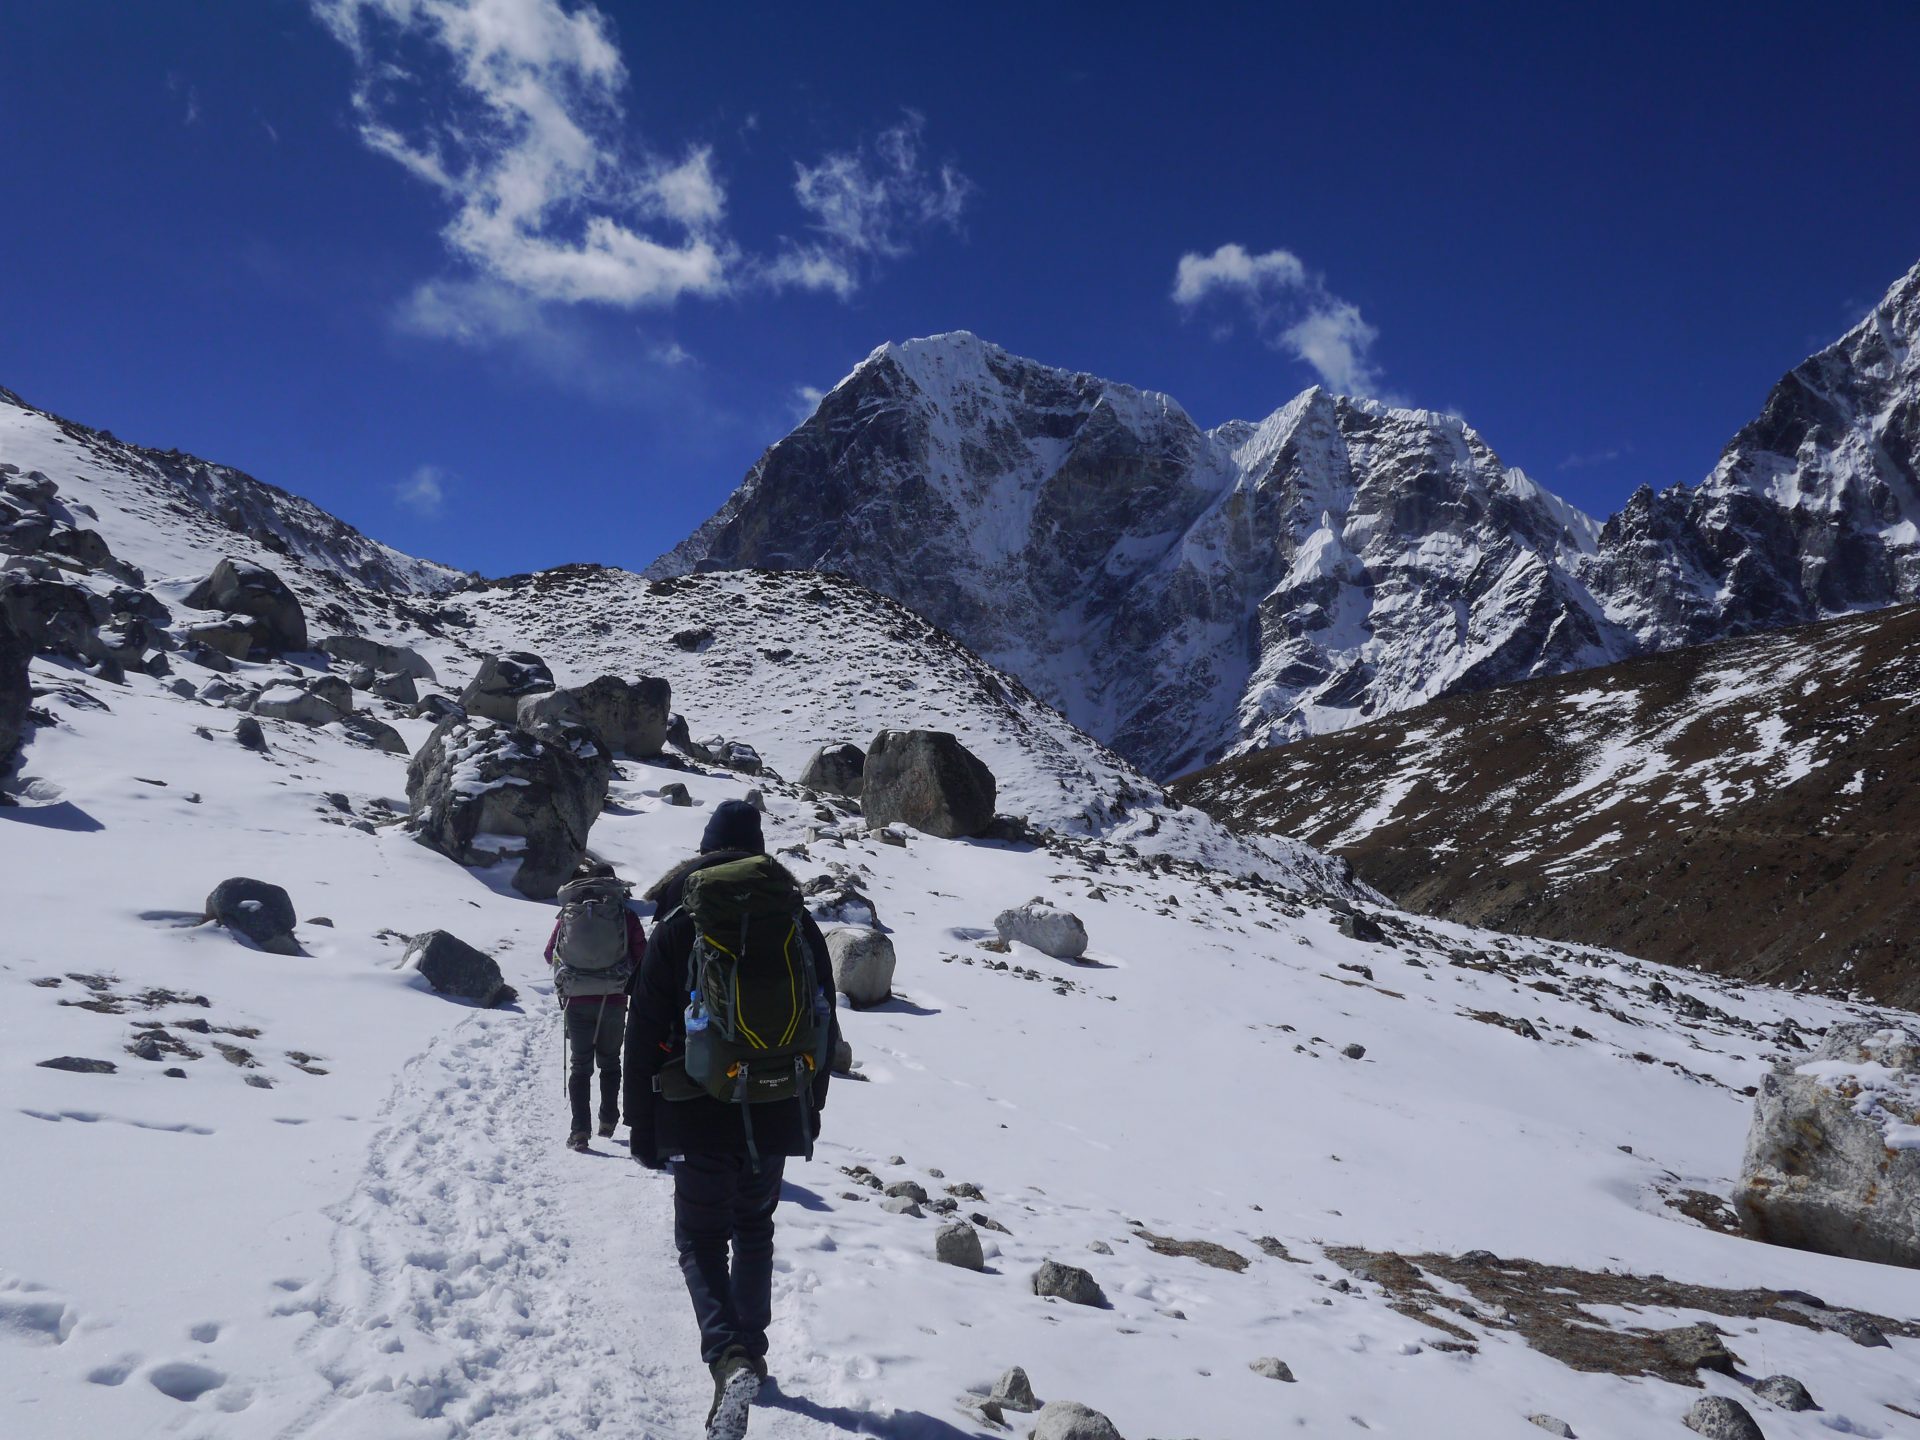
[(756, 1019)]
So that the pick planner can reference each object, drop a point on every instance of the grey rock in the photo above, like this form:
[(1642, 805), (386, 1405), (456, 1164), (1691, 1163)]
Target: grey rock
[(863, 964), (901, 1205), (929, 780), (735, 755), (1786, 1392), (377, 733), (843, 1057), (233, 639), (84, 547), (1013, 1390), (79, 1065), (453, 967), (502, 682), (332, 689), (1718, 1418), (378, 656), (1272, 1368), (959, 1244), (239, 587), (1356, 926), (835, 898), (836, 770), (757, 798), (1069, 1283), (912, 1189), (1553, 1425), (474, 779), (437, 708), (16, 693), (674, 793), (253, 908), (52, 616), (1355, 1052), (248, 732), (1819, 1173), (1100, 1247), (398, 687), (682, 740), (694, 639), (293, 703), (361, 677), (1070, 1420), (1051, 931), (630, 716)]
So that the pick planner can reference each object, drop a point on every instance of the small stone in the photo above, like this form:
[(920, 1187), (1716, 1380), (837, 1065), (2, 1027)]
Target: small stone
[(1100, 1247), (248, 732), (675, 794), (901, 1205), (1272, 1367), (322, 921), (912, 1189), (1718, 1418), (1786, 1392), (896, 1160), (1069, 1283), (1013, 1391), (758, 800), (959, 1244), (1698, 1347), (174, 1072), (1355, 1052), (1553, 1425)]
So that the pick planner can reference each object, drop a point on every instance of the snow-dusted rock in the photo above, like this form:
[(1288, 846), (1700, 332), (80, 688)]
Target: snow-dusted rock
[(1785, 1392), (496, 690), (629, 715), (1718, 1418), (298, 704), (1069, 1283), (1070, 1420), (52, 615), (378, 656), (240, 587), (1833, 1154), (836, 900), (863, 962), (1051, 931), (929, 780), (263, 913), (453, 967), (16, 696), (376, 733), (247, 730), (959, 1244), (734, 754), (396, 686), (1553, 1425), (437, 708), (1014, 1391), (475, 783), (836, 770), (1272, 1367)]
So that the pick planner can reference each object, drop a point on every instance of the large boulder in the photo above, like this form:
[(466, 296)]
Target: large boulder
[(16, 695), (397, 686), (629, 715), (1070, 1420), (863, 963), (261, 912), (1067, 1282), (453, 967), (296, 703), (1833, 1153), (52, 615), (377, 656), (929, 780), (496, 691), (239, 587), (836, 770), (1058, 933), (475, 786)]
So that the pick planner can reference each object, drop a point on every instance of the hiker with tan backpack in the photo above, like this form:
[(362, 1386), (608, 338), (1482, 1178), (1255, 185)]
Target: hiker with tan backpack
[(595, 950)]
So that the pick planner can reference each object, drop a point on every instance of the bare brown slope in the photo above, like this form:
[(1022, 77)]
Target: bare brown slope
[(1750, 808)]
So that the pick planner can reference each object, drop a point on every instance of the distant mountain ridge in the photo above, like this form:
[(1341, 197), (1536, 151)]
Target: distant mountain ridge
[(1185, 594)]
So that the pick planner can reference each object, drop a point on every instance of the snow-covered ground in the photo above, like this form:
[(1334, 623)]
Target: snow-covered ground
[(351, 1216)]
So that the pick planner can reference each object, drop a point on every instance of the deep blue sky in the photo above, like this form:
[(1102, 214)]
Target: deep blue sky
[(1598, 234)]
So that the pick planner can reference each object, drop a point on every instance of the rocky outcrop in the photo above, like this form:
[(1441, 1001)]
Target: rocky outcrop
[(863, 963), (16, 695), (836, 770), (1833, 1154), (929, 780), (502, 682), (958, 1243), (239, 587), (452, 967), (476, 787), (261, 912), (629, 716), (1070, 1420), (378, 656), (1051, 931)]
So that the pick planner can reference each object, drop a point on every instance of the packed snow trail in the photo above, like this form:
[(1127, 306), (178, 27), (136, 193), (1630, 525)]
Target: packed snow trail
[(488, 1282)]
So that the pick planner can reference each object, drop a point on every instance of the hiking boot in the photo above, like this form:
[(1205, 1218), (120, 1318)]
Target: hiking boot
[(736, 1380), (578, 1141), (606, 1129)]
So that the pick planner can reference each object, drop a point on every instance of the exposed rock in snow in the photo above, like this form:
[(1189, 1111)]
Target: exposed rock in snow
[(836, 770), (1718, 1418), (453, 967), (1833, 1156), (1272, 1368), (1067, 1282), (379, 656), (630, 716), (1051, 931), (1014, 1391), (397, 687), (239, 587), (16, 695), (1785, 1392), (502, 682), (929, 780), (263, 913), (863, 962), (1070, 1420)]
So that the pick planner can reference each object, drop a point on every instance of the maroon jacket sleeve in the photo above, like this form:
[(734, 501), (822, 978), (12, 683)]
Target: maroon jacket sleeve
[(554, 939)]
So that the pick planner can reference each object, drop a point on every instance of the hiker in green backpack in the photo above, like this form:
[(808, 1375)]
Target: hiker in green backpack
[(595, 950), (729, 1040)]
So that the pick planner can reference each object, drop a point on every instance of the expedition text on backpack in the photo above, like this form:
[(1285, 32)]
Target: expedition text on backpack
[(590, 954), (756, 1019)]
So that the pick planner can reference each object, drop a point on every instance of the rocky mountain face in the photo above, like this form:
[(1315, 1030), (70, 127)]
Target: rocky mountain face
[(1739, 807), (1184, 593), (1178, 592)]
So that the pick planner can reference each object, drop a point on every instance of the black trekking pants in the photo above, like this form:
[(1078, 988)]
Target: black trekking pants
[(724, 1203), (595, 1034)]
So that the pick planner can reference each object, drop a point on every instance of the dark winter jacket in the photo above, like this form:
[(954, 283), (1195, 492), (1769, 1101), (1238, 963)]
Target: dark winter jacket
[(656, 1034), (636, 952)]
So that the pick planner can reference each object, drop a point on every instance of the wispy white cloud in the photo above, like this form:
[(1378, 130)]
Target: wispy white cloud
[(1291, 309), (181, 87), (806, 399), (1587, 459), (424, 492), (513, 110), (866, 205)]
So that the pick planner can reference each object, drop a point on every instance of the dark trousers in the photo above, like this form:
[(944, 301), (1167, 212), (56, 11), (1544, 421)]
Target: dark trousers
[(723, 1202), (595, 1034)]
